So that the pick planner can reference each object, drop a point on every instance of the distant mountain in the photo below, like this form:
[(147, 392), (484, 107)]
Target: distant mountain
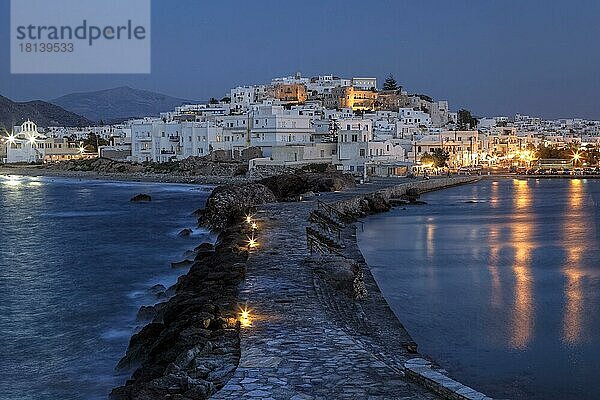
[(43, 114), (119, 103)]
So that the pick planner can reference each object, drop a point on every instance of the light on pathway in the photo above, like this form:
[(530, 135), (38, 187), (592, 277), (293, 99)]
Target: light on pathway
[(245, 318), (252, 242)]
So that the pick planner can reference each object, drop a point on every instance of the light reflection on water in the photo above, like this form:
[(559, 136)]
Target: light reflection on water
[(522, 227), (499, 282)]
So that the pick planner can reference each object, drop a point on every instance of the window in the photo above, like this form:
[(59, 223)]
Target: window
[(361, 152), (355, 138)]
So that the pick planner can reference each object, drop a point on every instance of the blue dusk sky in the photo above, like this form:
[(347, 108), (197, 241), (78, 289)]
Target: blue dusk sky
[(493, 57)]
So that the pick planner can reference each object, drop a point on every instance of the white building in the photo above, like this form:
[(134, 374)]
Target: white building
[(26, 144), (242, 97), (159, 141), (411, 122), (462, 146), (358, 148), (365, 83), (272, 126)]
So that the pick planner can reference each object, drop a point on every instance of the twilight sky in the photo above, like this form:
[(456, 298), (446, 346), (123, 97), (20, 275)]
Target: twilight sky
[(493, 57)]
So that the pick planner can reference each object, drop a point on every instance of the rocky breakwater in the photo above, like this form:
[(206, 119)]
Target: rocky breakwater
[(382, 200), (191, 346)]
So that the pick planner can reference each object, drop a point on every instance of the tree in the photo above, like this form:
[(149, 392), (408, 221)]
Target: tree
[(591, 155), (465, 120), (553, 152), (440, 157), (427, 158), (213, 101), (92, 142), (390, 83)]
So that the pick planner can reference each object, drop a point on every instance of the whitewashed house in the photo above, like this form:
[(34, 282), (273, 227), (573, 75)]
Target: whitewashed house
[(358, 148), (25, 144), (273, 125)]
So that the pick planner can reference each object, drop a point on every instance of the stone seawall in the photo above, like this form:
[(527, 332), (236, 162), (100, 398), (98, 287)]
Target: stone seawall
[(319, 326), (355, 205), (415, 367)]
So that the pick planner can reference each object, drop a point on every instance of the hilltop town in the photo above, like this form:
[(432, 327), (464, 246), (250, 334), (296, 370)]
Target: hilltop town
[(352, 124)]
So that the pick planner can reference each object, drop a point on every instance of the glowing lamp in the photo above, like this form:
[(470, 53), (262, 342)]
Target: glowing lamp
[(245, 319), (252, 243)]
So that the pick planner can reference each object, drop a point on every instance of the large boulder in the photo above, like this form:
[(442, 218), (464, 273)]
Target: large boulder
[(291, 186), (342, 274), (377, 203), (228, 202), (142, 197), (185, 232)]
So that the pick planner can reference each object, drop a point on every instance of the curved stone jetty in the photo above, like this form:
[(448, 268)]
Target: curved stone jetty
[(307, 339)]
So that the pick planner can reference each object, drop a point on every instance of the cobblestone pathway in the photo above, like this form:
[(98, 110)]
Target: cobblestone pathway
[(297, 348)]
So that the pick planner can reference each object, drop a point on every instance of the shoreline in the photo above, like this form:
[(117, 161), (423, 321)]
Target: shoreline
[(121, 177)]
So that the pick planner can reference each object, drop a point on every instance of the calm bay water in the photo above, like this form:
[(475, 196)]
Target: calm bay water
[(500, 283), (76, 262)]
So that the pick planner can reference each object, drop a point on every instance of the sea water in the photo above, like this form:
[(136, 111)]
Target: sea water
[(499, 282), (76, 261)]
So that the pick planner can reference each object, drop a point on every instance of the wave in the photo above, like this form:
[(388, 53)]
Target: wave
[(116, 334), (78, 214)]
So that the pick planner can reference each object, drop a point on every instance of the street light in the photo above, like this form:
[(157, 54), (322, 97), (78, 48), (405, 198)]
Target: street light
[(576, 157)]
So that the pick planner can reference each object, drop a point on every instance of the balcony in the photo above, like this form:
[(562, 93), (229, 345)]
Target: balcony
[(173, 138)]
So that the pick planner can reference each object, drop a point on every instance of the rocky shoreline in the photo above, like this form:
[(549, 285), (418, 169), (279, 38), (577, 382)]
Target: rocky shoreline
[(39, 171), (191, 347)]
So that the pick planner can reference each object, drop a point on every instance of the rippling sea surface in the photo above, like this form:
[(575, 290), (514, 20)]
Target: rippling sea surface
[(499, 282), (76, 261)]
